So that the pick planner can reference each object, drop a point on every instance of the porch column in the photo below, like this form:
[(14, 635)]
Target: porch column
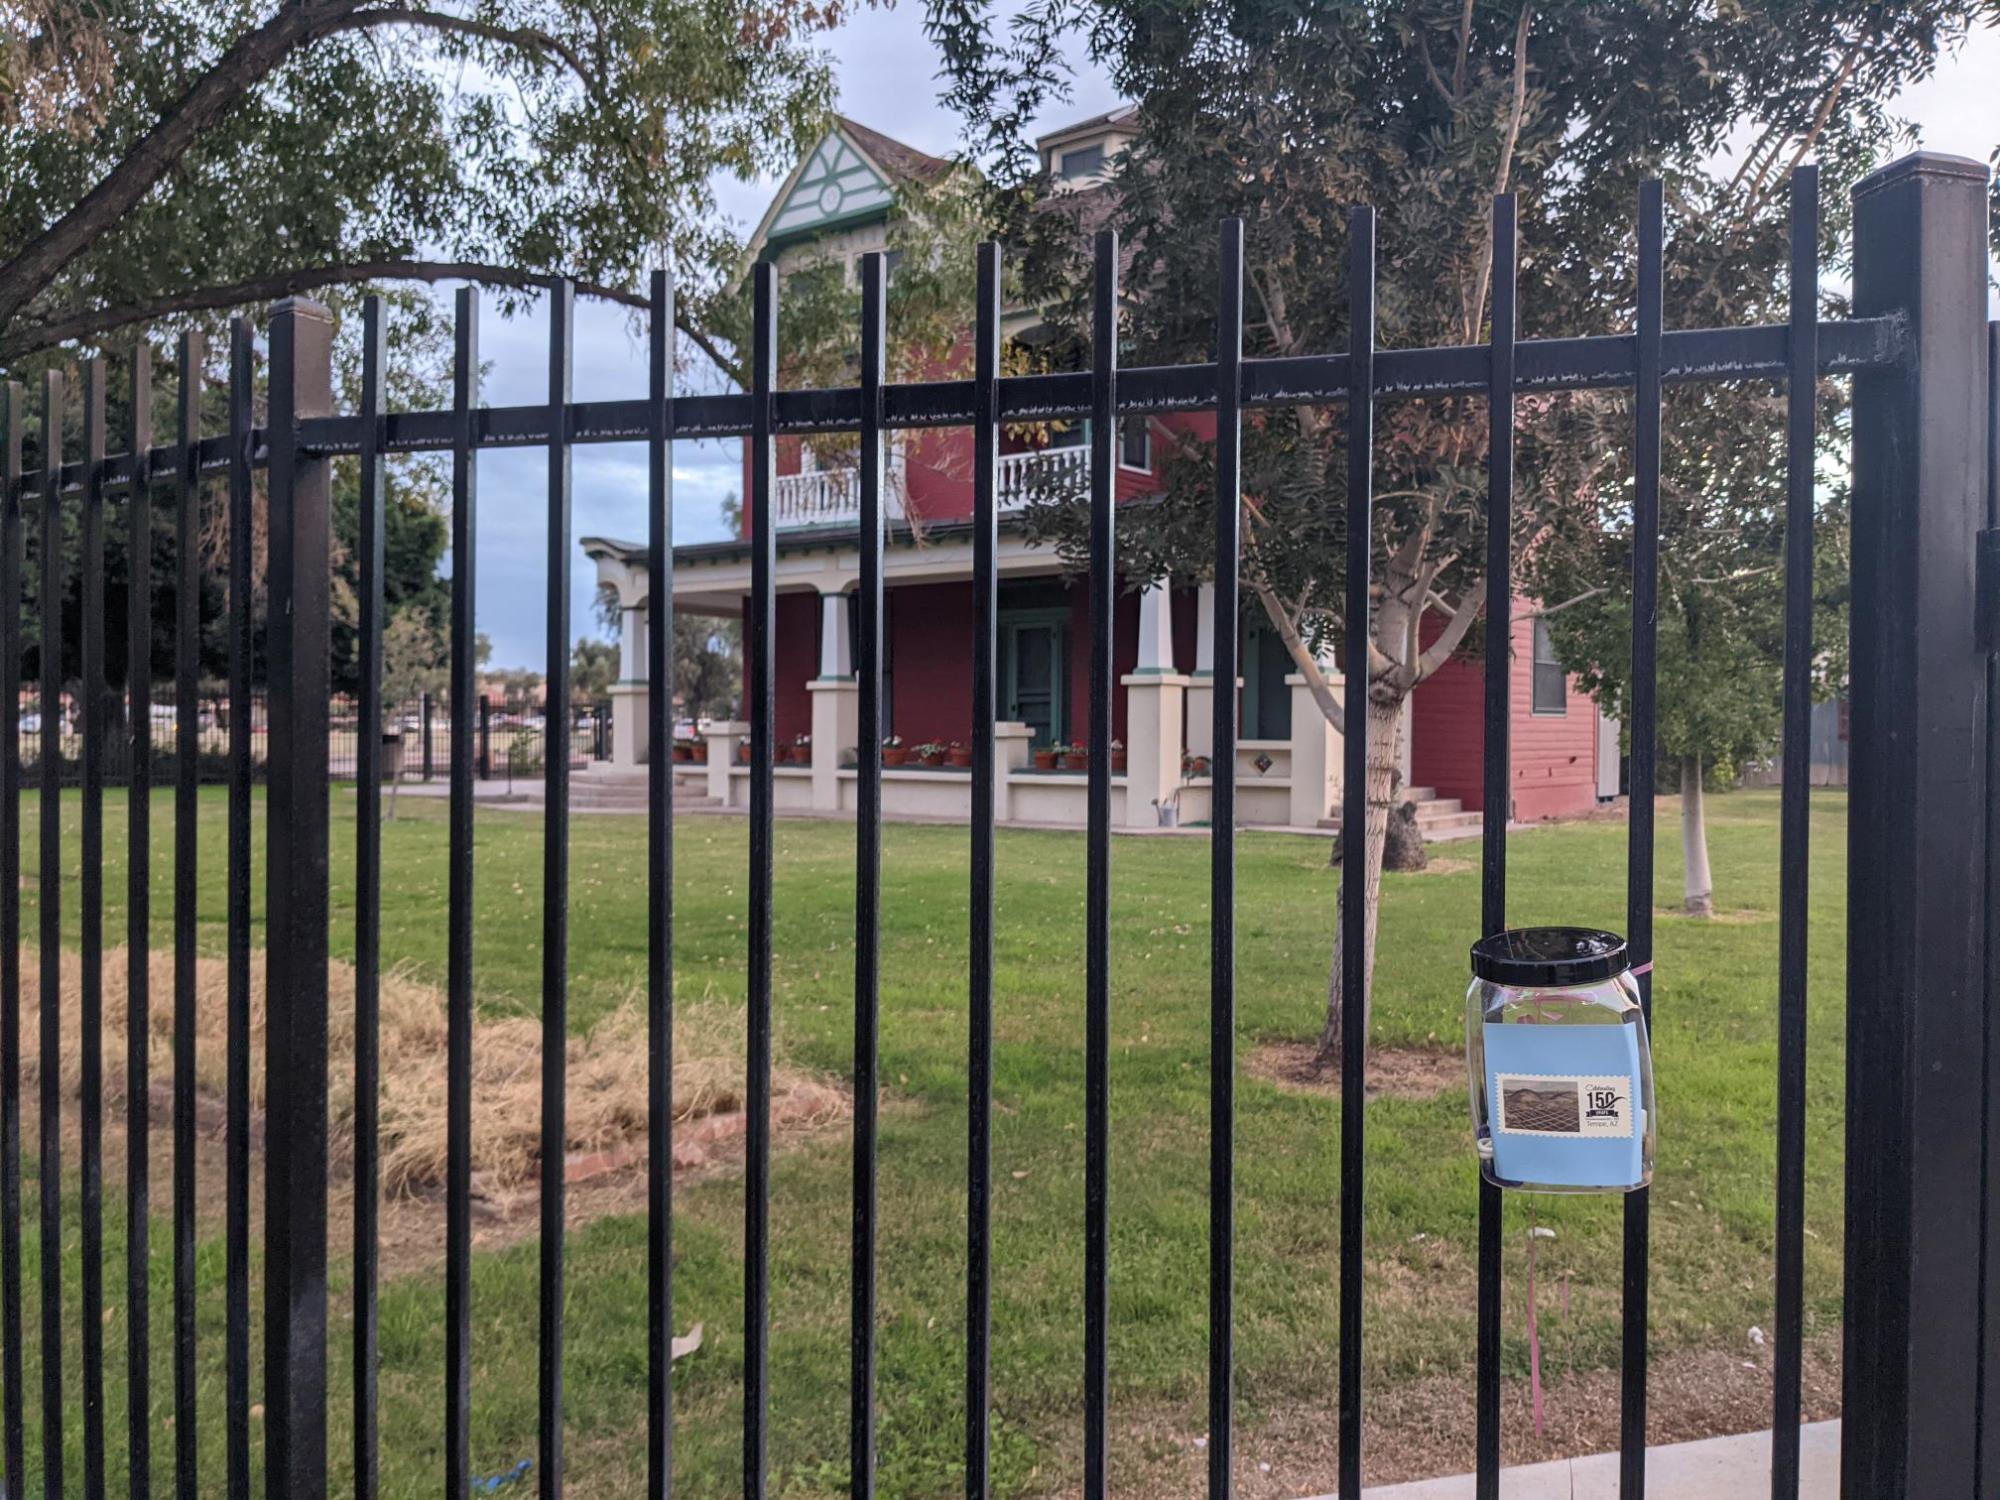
[(836, 703), (1155, 701), (632, 691), (1201, 688), (1316, 751)]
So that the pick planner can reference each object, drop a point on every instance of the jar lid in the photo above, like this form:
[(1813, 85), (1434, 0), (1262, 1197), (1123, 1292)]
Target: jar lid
[(1548, 956)]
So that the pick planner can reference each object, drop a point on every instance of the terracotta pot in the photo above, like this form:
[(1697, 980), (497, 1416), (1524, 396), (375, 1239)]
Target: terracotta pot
[(743, 752), (1117, 761), (895, 755), (802, 755), (1076, 760), (700, 752), (960, 758), (935, 758), (683, 754), (1045, 760)]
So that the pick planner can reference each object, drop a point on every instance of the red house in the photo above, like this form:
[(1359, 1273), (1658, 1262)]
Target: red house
[(835, 206)]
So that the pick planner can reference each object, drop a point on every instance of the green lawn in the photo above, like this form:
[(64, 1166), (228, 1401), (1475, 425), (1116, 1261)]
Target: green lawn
[(1715, 1042)]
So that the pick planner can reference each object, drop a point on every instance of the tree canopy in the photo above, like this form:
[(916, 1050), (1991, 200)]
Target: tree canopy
[(165, 157)]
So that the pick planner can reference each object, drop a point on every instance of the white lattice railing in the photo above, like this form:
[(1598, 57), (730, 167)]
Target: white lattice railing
[(1043, 471), (832, 497)]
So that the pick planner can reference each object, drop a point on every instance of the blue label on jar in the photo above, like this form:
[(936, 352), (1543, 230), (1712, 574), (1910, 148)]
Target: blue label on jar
[(1563, 1104)]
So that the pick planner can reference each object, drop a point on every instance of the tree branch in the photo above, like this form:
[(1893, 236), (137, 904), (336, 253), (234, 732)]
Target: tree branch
[(1316, 683), (248, 62), (1454, 632)]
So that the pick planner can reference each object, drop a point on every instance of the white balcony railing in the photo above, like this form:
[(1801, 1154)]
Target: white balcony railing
[(832, 497)]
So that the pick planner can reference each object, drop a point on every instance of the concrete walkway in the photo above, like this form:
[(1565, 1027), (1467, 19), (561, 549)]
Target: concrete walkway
[(1724, 1468)]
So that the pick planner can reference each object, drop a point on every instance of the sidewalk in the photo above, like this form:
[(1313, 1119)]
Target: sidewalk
[(1724, 1468)]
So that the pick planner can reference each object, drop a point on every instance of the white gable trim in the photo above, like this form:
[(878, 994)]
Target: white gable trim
[(833, 181)]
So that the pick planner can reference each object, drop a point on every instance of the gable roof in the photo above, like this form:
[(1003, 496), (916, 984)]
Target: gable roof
[(850, 176)]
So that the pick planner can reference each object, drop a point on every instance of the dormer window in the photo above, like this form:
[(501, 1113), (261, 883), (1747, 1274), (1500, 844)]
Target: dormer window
[(1081, 161)]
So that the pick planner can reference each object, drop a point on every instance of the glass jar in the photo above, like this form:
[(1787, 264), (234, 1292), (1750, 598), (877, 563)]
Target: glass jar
[(1559, 1064)]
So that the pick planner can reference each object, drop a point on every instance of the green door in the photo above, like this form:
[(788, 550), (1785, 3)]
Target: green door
[(1267, 700), (1032, 676)]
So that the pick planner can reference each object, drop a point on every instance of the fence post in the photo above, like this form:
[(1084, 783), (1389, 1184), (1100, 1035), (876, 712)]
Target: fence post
[(1917, 1096), (485, 738), (301, 386), (427, 735)]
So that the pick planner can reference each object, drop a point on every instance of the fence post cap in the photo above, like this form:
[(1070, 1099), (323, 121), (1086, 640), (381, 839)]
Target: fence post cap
[(303, 307), (1921, 164)]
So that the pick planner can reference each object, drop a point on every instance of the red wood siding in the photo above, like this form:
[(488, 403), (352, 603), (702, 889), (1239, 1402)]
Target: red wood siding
[(796, 652), (1554, 755)]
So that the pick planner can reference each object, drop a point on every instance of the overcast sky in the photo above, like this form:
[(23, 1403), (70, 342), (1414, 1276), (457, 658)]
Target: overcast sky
[(886, 70)]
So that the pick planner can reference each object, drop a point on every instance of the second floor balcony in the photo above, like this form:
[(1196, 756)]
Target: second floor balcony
[(832, 497)]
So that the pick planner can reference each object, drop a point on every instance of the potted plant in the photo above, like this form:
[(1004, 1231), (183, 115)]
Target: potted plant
[(1193, 766), (743, 752), (699, 752), (1076, 757), (959, 754), (1117, 756), (931, 752), (1044, 756), (802, 750), (894, 751), (683, 752)]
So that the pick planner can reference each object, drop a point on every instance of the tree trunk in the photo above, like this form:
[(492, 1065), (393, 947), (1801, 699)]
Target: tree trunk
[(1698, 887), (1384, 722)]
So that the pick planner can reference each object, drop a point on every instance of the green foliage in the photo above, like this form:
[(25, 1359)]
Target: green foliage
[(299, 144), (593, 667), (708, 665)]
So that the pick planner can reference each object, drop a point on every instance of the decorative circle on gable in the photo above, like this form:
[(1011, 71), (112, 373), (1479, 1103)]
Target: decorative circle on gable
[(829, 198)]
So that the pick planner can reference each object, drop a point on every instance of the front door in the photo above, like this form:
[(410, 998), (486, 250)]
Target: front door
[(1032, 680)]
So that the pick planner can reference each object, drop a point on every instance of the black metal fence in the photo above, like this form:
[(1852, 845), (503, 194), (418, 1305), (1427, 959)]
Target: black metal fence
[(1920, 1353)]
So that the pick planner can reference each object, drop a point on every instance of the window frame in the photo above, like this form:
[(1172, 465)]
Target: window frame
[(1539, 641), (1145, 430)]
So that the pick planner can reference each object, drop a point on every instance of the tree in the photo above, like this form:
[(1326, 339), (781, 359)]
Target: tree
[(1722, 534), (1287, 114), (167, 159), (708, 665), (413, 663), (593, 667)]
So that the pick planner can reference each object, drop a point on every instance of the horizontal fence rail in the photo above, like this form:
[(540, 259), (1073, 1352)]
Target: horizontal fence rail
[(290, 736)]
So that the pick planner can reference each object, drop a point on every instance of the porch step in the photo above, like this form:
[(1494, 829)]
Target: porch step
[(1438, 818)]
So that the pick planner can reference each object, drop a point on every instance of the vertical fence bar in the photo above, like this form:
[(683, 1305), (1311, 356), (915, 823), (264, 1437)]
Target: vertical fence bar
[(50, 908), (1639, 848), (90, 1321), (1988, 1417), (296, 903), (1496, 791), (187, 813), (1222, 864), (1097, 876), (425, 719), (1917, 1009), (1353, 823), (985, 713), (1801, 388), (458, 964), (368, 904), (486, 739), (242, 586), (660, 893), (13, 1401), (867, 888), (760, 667), (555, 889), (138, 930)]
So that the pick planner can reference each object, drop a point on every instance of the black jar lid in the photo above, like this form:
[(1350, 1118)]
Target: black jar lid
[(1548, 956)]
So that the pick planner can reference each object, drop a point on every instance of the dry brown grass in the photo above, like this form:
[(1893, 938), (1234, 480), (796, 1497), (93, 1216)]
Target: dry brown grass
[(607, 1067)]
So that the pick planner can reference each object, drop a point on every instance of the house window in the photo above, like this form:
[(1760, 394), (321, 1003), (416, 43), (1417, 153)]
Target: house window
[(1135, 445), (1551, 694), (1084, 161)]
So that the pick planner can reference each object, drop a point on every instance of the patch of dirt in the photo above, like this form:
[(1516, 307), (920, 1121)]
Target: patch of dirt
[(1398, 1072), (1424, 1429), (606, 1164)]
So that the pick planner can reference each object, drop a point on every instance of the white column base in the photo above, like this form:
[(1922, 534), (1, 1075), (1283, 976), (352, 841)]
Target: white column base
[(1316, 753), (630, 732), (1012, 744), (836, 722), (724, 735), (1154, 703)]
